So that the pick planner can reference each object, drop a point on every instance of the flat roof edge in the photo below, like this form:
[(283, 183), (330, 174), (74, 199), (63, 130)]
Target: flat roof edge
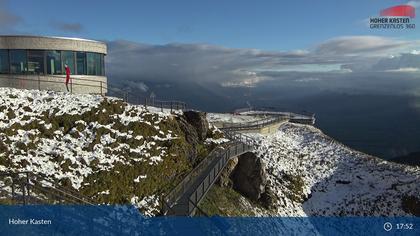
[(53, 37)]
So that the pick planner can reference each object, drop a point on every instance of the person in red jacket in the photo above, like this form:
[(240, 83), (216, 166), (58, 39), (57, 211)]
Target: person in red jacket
[(68, 72)]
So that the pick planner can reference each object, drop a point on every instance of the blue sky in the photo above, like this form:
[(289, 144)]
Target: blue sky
[(267, 25), (228, 42)]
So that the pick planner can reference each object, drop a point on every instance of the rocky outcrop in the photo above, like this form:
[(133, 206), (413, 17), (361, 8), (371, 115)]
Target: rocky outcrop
[(189, 130), (224, 180), (199, 121), (196, 128), (249, 177)]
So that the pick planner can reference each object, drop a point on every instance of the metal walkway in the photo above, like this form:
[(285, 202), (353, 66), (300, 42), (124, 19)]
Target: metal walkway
[(303, 118), (184, 199), (253, 124)]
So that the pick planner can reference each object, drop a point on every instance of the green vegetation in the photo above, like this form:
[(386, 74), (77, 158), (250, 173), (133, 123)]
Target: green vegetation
[(135, 175), (224, 201), (295, 184)]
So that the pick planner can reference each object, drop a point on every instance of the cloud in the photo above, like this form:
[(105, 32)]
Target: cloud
[(405, 69), (190, 62), (360, 45), (204, 63), (67, 27), (8, 20), (406, 62)]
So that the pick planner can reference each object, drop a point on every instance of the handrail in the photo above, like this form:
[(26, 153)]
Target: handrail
[(73, 77), (175, 194), (173, 104), (278, 113), (202, 213), (253, 124), (44, 178), (102, 86), (219, 157), (29, 182), (201, 190)]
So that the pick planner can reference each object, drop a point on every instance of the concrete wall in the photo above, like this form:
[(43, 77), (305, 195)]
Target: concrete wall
[(51, 43), (79, 83)]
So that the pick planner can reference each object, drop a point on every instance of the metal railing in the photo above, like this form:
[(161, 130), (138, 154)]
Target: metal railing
[(42, 83), (240, 137), (172, 105), (176, 193), (252, 125), (240, 110), (193, 188), (46, 82), (301, 117), (199, 193), (262, 110), (36, 189)]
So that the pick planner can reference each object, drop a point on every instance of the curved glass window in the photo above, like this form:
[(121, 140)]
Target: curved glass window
[(54, 63), (18, 63), (94, 63), (68, 58), (102, 65), (81, 63), (4, 61), (36, 61)]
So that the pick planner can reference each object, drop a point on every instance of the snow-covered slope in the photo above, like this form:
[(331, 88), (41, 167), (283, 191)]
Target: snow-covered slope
[(115, 152), (108, 150), (311, 174)]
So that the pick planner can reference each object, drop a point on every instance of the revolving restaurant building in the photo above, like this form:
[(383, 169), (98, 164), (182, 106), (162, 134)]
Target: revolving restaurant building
[(36, 62)]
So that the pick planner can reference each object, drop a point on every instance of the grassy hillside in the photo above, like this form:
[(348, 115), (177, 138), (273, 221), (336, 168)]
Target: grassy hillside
[(108, 150)]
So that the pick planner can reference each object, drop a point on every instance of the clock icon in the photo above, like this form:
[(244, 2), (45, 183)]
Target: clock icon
[(387, 226)]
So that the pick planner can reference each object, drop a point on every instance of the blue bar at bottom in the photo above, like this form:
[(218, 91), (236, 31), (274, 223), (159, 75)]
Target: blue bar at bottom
[(126, 220)]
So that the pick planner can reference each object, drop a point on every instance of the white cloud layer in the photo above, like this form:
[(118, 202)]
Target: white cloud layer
[(230, 66)]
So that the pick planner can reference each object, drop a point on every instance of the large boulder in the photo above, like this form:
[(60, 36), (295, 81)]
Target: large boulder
[(224, 179), (199, 121), (249, 176), (191, 137)]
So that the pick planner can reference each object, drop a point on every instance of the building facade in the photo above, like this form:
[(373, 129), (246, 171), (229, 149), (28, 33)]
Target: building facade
[(37, 62)]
